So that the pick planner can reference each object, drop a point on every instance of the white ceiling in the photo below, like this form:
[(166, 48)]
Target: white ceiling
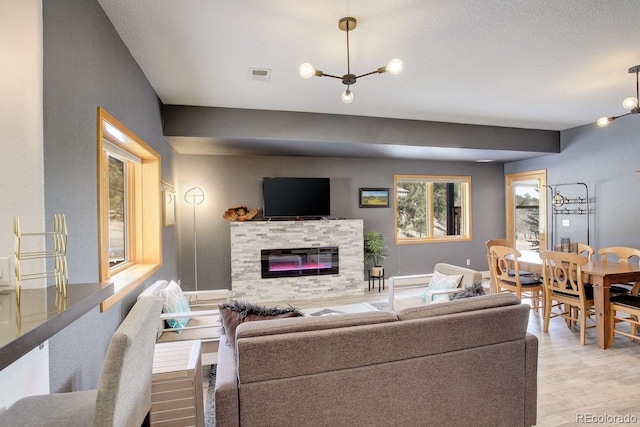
[(539, 64)]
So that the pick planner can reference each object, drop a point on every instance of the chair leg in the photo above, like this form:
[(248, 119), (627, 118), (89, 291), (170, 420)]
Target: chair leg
[(583, 326), (612, 326), (547, 315)]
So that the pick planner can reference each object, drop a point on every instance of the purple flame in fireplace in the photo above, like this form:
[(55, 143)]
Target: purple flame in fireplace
[(299, 262)]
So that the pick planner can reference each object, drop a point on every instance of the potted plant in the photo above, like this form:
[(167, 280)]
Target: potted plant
[(374, 251)]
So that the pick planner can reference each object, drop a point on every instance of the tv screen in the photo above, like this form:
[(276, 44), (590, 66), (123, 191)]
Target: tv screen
[(296, 197)]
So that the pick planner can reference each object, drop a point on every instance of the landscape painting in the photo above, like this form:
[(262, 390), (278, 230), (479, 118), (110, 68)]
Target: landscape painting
[(374, 197)]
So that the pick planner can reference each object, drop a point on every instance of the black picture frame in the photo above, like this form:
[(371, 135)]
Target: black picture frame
[(373, 197)]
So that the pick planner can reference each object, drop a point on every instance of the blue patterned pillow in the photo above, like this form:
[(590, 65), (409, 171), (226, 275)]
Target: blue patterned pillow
[(440, 282), (175, 302)]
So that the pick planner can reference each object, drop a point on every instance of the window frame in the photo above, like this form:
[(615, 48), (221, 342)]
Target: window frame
[(466, 214), (143, 206)]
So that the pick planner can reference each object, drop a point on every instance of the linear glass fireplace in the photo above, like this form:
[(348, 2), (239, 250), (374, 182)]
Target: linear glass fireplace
[(299, 262)]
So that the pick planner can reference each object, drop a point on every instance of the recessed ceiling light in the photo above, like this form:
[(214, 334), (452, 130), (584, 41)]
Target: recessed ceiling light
[(484, 160)]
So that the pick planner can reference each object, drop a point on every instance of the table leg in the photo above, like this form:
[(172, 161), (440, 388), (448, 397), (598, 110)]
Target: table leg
[(601, 305)]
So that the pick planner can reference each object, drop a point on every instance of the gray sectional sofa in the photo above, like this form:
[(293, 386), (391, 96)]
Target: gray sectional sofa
[(459, 363)]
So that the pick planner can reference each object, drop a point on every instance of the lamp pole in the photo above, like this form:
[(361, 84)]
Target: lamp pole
[(194, 196)]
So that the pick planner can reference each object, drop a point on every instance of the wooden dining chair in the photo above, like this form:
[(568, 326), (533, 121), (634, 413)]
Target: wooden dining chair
[(630, 305), (489, 244), (506, 271), (500, 242), (564, 290), (586, 251), (624, 255)]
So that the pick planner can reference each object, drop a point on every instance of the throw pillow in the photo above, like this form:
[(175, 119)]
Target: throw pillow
[(474, 290), (175, 302), (237, 312), (440, 282)]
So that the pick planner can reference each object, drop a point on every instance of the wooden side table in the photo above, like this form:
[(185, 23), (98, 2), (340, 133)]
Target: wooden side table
[(176, 388)]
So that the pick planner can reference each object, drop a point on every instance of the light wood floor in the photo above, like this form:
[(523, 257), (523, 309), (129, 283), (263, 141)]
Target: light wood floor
[(572, 379)]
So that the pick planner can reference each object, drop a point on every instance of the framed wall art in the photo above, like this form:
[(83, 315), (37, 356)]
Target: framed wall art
[(374, 197)]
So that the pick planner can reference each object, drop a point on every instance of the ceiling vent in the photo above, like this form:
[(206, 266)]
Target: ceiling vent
[(259, 74)]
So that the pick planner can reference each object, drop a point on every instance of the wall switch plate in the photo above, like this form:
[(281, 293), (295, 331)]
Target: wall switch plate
[(468, 262), (565, 222)]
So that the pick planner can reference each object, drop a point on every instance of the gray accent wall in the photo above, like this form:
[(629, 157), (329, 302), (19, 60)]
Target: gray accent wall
[(607, 160), (87, 65), (229, 181)]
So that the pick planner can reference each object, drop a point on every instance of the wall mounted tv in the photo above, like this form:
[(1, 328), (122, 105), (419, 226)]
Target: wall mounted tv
[(296, 197)]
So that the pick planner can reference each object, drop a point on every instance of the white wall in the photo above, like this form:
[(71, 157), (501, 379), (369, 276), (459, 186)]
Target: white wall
[(21, 161)]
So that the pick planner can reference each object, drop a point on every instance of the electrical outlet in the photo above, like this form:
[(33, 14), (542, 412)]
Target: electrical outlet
[(565, 222), (468, 261)]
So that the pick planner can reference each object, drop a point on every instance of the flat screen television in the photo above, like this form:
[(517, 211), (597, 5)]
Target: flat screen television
[(296, 197)]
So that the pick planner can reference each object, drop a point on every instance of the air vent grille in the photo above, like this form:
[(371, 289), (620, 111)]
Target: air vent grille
[(259, 74)]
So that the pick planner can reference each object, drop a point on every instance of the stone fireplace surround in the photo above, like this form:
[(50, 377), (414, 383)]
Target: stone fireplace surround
[(249, 238)]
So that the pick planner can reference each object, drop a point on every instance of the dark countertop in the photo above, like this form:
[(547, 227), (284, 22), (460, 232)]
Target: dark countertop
[(43, 313)]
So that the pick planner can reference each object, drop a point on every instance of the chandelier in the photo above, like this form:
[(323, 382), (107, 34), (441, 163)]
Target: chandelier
[(630, 103), (347, 24)]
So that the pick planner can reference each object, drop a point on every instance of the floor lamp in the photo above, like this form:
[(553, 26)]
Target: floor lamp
[(194, 196)]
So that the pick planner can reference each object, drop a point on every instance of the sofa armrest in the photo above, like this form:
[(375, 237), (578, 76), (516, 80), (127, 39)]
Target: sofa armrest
[(430, 294), (190, 314), (205, 296), (226, 389), (531, 379), (414, 280)]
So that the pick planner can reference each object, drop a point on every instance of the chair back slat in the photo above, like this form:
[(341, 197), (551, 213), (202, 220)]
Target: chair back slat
[(623, 253), (562, 273)]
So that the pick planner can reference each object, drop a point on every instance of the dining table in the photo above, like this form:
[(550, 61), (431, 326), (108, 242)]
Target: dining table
[(602, 274)]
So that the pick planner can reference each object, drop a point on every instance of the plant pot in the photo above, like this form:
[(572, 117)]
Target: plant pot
[(376, 271)]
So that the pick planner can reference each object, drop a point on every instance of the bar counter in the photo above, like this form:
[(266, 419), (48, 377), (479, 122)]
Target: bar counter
[(42, 313)]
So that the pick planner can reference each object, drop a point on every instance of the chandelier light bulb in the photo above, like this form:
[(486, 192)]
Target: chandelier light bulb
[(395, 66), (630, 103), (603, 122), (347, 96), (306, 70)]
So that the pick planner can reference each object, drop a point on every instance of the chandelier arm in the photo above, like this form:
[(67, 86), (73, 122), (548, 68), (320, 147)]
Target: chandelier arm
[(622, 115), (368, 74), (329, 75)]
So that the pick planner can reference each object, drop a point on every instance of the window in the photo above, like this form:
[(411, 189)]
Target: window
[(432, 208), (526, 209), (129, 207), (118, 219)]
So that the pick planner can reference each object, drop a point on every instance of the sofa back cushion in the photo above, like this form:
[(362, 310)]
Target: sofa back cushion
[(458, 306), (313, 323), (309, 346)]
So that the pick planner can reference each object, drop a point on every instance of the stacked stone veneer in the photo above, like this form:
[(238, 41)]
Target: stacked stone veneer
[(248, 238)]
